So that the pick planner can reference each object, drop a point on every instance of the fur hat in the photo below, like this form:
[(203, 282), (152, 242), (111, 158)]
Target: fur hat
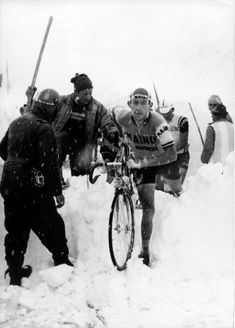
[(81, 82)]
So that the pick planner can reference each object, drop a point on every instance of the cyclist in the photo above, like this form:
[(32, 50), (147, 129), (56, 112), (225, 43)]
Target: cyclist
[(179, 127), (155, 153)]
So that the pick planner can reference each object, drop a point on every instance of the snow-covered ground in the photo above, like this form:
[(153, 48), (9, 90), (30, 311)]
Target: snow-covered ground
[(185, 47), (190, 283)]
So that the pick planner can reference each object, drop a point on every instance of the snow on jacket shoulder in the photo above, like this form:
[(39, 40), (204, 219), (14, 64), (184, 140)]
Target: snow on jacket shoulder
[(30, 142)]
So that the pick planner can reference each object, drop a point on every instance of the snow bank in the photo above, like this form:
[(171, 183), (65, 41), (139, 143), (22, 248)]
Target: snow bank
[(190, 282)]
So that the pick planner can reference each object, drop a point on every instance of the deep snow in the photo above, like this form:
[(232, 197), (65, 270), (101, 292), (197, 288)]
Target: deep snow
[(185, 47), (190, 283)]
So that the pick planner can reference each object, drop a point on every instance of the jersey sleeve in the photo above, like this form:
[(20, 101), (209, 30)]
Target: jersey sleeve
[(164, 135), (183, 124)]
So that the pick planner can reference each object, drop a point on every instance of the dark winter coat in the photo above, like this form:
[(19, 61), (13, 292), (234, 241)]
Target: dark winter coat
[(29, 143), (97, 121)]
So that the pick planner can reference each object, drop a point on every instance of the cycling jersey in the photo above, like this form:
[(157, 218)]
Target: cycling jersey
[(179, 127), (148, 141)]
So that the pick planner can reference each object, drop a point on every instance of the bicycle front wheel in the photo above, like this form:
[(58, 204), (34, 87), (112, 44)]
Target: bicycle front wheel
[(121, 229)]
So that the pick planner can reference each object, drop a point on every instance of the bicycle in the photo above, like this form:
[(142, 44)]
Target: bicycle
[(121, 229)]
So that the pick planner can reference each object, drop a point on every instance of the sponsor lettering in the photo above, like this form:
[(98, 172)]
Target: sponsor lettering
[(162, 130), (143, 139), (173, 128)]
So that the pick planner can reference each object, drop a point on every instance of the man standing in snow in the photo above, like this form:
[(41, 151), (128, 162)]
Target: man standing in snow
[(179, 128), (80, 121), (213, 101), (219, 140), (155, 153), (30, 181)]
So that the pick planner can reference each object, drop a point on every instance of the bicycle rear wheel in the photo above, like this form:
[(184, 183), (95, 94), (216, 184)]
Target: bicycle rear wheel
[(121, 229)]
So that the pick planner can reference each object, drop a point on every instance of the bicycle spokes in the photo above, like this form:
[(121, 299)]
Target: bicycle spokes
[(121, 229)]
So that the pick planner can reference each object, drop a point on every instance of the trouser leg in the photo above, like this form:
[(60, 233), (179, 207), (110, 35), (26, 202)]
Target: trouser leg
[(49, 226), (80, 160), (17, 214), (63, 146)]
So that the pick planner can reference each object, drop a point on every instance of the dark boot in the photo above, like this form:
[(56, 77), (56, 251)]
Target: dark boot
[(64, 261), (17, 274), (144, 255), (61, 258)]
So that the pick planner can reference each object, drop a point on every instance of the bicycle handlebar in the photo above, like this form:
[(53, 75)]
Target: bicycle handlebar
[(91, 171), (95, 165)]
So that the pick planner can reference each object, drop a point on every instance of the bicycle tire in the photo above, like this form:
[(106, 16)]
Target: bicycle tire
[(121, 229)]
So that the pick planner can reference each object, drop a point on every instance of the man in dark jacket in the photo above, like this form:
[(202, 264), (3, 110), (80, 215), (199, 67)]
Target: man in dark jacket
[(30, 181), (80, 121)]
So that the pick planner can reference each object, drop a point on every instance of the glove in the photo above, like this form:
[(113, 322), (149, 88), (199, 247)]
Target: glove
[(119, 182), (30, 92)]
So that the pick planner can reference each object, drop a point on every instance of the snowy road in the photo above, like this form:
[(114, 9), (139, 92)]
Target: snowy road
[(190, 283)]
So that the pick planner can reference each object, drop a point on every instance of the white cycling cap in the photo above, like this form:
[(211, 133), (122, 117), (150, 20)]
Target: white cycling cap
[(165, 109)]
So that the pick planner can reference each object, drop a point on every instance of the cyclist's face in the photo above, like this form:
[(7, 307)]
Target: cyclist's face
[(83, 96), (140, 108)]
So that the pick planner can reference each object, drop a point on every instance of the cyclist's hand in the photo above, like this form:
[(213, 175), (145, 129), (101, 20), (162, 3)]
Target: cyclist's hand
[(117, 182), (60, 200), (132, 164)]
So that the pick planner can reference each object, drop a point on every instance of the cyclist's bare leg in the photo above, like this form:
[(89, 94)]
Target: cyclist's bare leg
[(175, 185), (146, 197), (183, 172)]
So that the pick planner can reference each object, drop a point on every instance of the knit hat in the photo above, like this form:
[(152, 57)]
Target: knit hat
[(81, 82), (214, 99)]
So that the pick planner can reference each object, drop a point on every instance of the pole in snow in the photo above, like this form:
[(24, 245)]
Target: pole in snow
[(196, 123), (30, 97)]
